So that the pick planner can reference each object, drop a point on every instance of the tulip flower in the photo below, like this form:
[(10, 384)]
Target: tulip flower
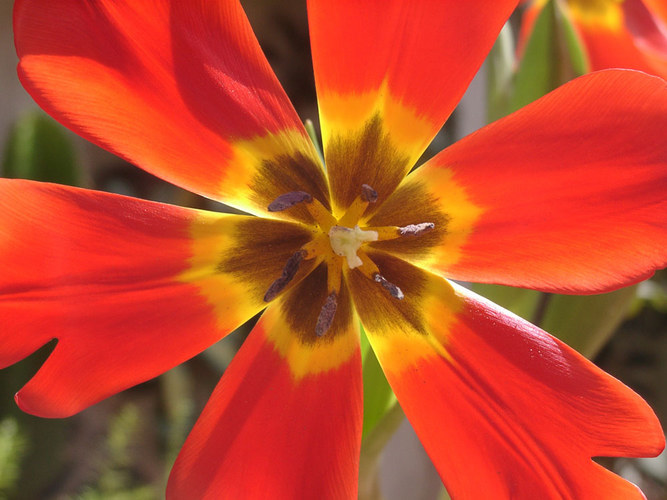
[(565, 195)]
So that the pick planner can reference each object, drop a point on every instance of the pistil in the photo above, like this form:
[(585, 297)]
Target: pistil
[(346, 242)]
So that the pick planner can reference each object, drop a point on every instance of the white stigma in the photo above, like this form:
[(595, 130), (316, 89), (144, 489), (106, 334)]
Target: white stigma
[(345, 242)]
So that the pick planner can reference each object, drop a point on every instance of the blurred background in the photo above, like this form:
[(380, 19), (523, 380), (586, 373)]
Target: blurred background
[(123, 447)]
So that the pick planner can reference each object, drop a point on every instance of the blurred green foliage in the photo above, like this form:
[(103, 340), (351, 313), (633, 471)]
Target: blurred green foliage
[(552, 56), (114, 480), (39, 148), (12, 449)]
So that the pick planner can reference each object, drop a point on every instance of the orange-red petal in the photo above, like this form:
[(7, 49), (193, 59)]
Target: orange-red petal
[(129, 288), (622, 38), (181, 89), (503, 409), (388, 74), (285, 420), (566, 195)]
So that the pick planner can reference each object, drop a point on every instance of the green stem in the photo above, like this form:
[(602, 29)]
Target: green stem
[(541, 308), (371, 449)]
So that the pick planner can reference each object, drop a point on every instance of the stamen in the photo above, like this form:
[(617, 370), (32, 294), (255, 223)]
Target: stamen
[(316, 246), (368, 267), (393, 290), (416, 229), (358, 206), (321, 215), (326, 317), (334, 277), (368, 193), (370, 270), (289, 271), (287, 200), (393, 232)]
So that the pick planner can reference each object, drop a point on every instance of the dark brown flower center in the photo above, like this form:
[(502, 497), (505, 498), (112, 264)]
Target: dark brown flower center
[(339, 242)]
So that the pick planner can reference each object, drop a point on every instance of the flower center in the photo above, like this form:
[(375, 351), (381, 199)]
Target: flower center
[(346, 242), (336, 243)]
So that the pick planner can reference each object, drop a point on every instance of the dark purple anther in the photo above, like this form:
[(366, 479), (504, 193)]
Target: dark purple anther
[(416, 229), (290, 269), (393, 290), (287, 200), (368, 193), (326, 317)]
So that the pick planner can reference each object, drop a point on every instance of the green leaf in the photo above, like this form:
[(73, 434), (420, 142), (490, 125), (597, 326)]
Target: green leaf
[(38, 148), (553, 55), (574, 45), (586, 322)]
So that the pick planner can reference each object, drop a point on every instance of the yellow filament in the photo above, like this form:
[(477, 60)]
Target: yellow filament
[(319, 246), (385, 232), (334, 273), (368, 267), (321, 215), (353, 213)]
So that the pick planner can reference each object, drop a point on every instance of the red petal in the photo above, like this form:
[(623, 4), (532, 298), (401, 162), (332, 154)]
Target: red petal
[(505, 410), (181, 89), (404, 63), (567, 194), (129, 288), (284, 422)]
